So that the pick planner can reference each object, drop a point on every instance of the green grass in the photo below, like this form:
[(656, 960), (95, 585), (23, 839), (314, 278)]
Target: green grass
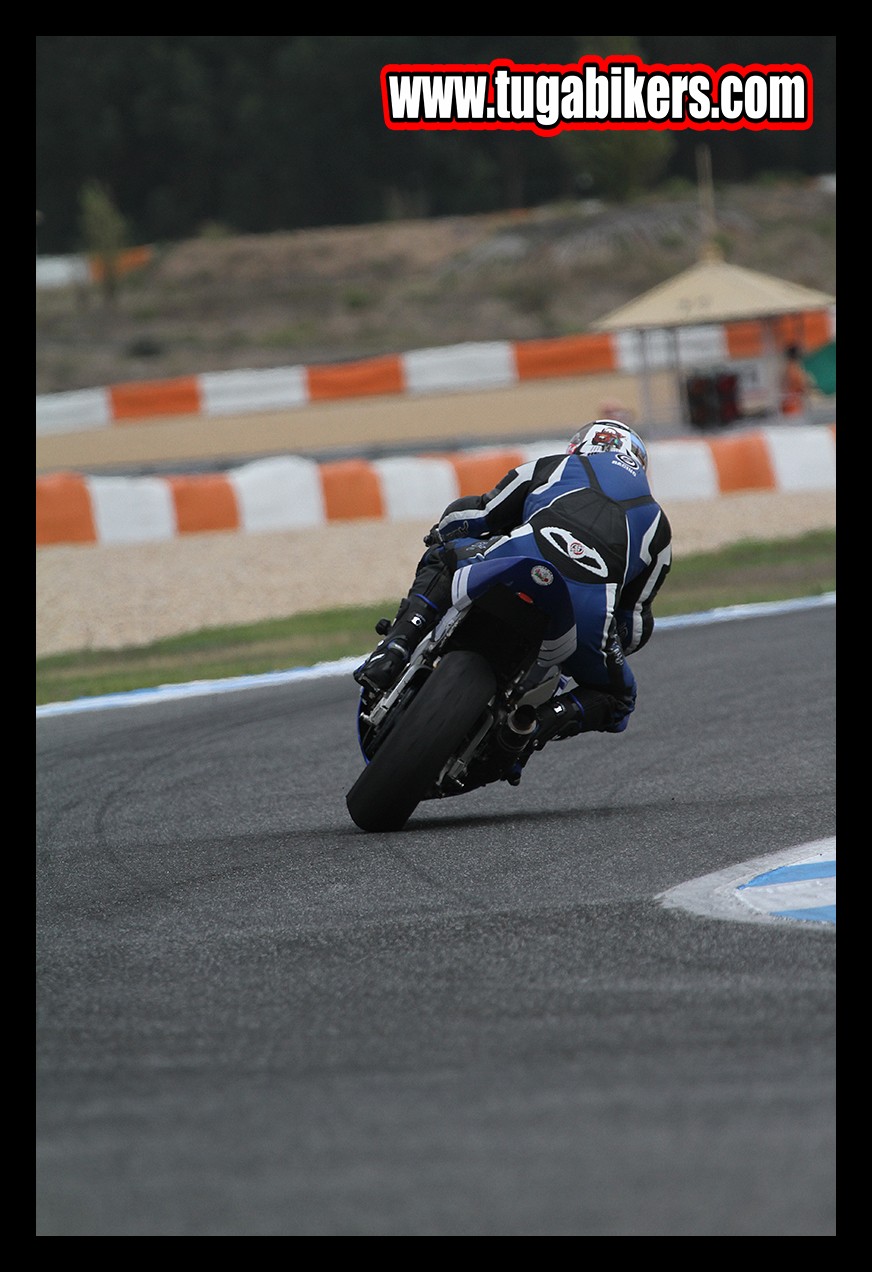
[(743, 573)]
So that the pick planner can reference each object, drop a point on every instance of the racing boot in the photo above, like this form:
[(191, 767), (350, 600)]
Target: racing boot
[(416, 617), (579, 711)]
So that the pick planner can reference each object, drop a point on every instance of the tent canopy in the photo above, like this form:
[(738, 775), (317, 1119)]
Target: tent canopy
[(711, 292), (669, 323)]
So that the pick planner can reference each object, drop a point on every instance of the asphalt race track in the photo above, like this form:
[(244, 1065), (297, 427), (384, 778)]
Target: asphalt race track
[(255, 1020)]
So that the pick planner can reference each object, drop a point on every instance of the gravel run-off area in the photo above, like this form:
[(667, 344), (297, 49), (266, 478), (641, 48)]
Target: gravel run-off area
[(108, 597)]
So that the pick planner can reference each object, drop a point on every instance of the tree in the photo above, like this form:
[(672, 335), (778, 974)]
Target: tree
[(614, 164), (104, 232), (268, 133)]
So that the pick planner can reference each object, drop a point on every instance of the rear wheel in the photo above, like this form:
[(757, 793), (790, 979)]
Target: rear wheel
[(429, 732)]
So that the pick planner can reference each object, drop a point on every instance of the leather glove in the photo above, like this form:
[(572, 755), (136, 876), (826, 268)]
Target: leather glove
[(433, 537)]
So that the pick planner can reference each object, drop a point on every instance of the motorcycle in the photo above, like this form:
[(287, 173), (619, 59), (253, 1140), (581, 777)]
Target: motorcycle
[(463, 713)]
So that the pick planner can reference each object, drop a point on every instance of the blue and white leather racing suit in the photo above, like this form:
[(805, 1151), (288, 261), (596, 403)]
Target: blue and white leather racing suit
[(592, 518)]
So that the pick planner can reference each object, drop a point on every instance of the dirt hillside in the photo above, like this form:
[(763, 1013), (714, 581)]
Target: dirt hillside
[(327, 295)]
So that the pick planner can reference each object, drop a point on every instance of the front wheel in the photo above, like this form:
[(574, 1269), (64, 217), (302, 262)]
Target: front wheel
[(430, 731)]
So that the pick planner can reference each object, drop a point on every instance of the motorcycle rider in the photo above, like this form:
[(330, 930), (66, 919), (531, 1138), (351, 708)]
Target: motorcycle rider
[(590, 515)]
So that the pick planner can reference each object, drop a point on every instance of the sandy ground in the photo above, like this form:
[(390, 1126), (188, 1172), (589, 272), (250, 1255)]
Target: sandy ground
[(543, 408), (107, 597)]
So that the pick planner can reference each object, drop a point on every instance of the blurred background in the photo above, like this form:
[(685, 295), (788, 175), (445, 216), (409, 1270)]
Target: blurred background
[(254, 133), (207, 203)]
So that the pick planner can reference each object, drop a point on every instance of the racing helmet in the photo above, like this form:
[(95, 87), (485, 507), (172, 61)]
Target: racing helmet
[(608, 436)]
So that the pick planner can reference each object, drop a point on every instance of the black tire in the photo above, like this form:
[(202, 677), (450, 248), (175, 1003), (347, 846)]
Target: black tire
[(431, 729)]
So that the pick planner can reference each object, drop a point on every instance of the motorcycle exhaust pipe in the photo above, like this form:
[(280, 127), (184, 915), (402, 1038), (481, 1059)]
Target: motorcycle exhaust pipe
[(517, 729)]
